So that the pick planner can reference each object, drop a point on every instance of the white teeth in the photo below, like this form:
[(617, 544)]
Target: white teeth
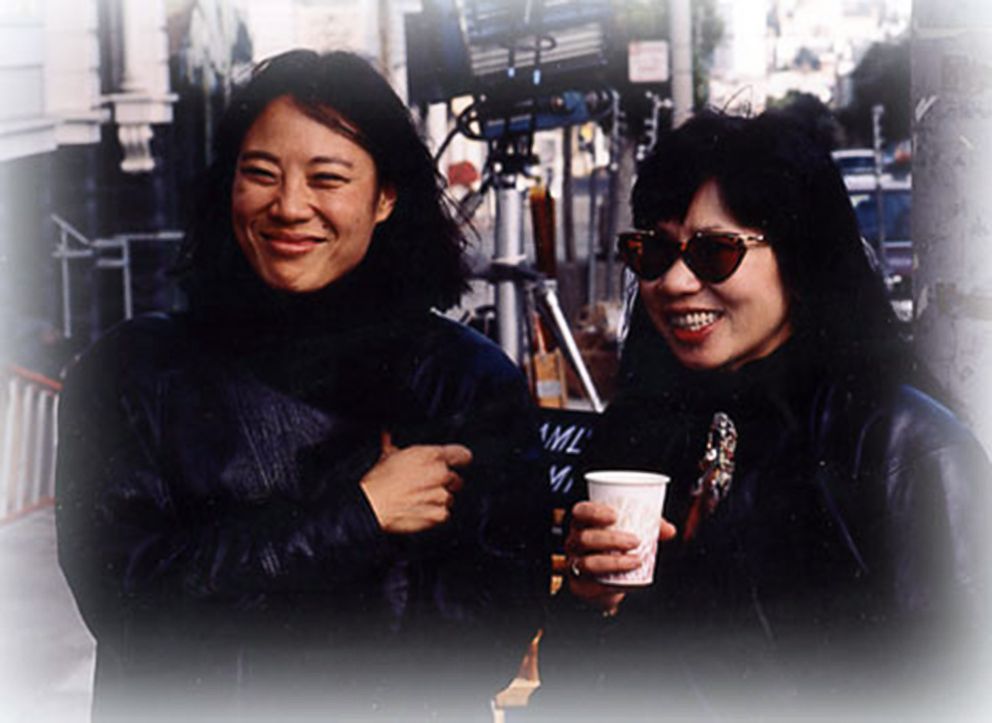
[(693, 321)]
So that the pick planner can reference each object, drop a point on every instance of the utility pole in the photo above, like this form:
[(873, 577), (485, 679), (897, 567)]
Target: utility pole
[(877, 111), (385, 45), (681, 38), (951, 57)]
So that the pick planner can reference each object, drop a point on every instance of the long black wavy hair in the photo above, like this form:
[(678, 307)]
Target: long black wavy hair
[(416, 258), (774, 175)]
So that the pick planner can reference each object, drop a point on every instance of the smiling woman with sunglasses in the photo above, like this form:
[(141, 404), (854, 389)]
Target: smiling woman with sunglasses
[(824, 507)]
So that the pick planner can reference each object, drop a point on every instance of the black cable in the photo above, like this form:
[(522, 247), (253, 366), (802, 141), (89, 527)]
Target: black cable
[(461, 126), (445, 143)]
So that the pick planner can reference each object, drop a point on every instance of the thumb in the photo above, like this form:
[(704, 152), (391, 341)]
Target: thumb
[(386, 442), (667, 531), (456, 455)]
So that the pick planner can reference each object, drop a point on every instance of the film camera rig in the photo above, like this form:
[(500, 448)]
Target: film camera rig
[(528, 66)]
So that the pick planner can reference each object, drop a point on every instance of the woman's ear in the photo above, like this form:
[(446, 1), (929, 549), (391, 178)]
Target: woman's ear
[(385, 203)]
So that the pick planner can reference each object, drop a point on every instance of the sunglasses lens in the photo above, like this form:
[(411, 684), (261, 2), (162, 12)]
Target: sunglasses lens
[(713, 258), (631, 248), (659, 255), (646, 254)]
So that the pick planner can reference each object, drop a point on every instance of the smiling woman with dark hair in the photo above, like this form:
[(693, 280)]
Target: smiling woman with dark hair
[(416, 258), (826, 507), (310, 495)]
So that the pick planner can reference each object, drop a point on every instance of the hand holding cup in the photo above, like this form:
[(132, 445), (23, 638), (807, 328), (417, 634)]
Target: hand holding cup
[(613, 537)]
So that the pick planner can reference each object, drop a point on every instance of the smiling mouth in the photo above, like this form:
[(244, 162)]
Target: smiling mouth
[(694, 320), (291, 238), (290, 244)]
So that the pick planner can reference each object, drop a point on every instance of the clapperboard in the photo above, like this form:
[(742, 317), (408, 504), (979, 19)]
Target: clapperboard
[(564, 434)]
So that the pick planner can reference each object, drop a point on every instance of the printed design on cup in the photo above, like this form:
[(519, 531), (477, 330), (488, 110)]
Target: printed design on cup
[(642, 520)]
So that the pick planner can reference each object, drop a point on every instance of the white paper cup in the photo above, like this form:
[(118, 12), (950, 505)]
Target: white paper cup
[(637, 498)]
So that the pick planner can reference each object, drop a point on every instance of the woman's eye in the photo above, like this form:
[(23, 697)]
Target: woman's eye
[(258, 173), (327, 179)]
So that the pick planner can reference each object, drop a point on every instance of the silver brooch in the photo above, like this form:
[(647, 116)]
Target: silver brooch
[(717, 464)]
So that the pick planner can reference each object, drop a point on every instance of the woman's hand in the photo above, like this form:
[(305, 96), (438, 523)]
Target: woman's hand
[(412, 490), (593, 550)]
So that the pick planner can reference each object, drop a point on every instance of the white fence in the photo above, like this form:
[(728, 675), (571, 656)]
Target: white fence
[(28, 414)]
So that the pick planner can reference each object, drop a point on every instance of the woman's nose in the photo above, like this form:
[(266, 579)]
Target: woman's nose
[(293, 202), (679, 280)]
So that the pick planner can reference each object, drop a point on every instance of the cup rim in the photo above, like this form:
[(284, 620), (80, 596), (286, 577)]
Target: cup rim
[(626, 477)]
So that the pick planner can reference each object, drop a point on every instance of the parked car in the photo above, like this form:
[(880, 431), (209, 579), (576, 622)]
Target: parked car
[(855, 161)]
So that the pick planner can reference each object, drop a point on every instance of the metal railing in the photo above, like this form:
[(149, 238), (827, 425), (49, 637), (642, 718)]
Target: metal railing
[(107, 253), (28, 440)]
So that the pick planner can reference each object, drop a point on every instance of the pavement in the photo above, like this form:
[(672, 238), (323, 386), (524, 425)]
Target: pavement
[(46, 652)]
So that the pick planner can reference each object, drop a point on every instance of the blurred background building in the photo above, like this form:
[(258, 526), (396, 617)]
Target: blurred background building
[(110, 108)]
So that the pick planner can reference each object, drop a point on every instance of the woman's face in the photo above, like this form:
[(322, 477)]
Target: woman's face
[(719, 325), (305, 200)]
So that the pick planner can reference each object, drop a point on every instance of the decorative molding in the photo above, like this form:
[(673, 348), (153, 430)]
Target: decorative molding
[(134, 114), (144, 99)]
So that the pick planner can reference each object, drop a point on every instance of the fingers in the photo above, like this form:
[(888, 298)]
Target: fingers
[(431, 467), (454, 482), (431, 515), (583, 584), (596, 565), (593, 514), (386, 443), (595, 551), (455, 455), (587, 515), (440, 497), (596, 540)]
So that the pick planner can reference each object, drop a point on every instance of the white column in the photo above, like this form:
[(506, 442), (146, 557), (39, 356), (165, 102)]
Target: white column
[(144, 97)]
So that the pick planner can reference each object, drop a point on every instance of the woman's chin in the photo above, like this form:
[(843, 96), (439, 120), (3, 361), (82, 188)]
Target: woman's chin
[(700, 363), (697, 356), (292, 283)]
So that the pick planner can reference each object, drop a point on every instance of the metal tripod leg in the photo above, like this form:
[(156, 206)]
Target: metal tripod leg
[(509, 251), (546, 292)]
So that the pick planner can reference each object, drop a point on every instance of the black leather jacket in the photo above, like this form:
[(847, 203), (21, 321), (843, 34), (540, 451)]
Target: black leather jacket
[(212, 529), (848, 557)]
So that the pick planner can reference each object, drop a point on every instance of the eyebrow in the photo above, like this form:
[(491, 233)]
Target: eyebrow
[(331, 159), (266, 156)]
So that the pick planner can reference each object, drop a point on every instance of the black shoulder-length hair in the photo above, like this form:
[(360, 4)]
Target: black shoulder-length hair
[(774, 175), (416, 258)]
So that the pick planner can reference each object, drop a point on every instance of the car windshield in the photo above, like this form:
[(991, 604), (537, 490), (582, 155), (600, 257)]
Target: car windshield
[(896, 203)]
